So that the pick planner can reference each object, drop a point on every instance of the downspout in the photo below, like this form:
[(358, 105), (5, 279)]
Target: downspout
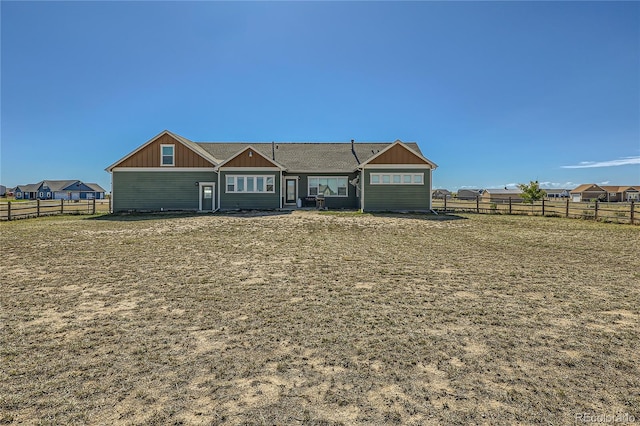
[(217, 171), (111, 197), (280, 191), (362, 189), (431, 193)]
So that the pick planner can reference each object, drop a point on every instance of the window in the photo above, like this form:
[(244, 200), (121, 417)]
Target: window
[(166, 153), (41, 194), (328, 186), (397, 178), (250, 184)]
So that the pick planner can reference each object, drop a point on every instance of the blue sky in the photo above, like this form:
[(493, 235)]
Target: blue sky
[(495, 93)]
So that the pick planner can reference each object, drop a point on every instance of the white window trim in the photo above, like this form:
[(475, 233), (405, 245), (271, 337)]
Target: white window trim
[(173, 155), (391, 175), (329, 177), (255, 191)]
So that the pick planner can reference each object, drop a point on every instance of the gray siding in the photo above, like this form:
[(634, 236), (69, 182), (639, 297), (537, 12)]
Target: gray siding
[(396, 197), (349, 202), (158, 190), (249, 201)]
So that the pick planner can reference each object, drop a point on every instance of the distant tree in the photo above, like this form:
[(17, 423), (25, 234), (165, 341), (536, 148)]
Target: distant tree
[(531, 192)]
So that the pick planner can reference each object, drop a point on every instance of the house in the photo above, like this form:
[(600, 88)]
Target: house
[(469, 194), (26, 192), (587, 192), (59, 190), (621, 193), (3, 191), (170, 172), (441, 194), (501, 195), (555, 193)]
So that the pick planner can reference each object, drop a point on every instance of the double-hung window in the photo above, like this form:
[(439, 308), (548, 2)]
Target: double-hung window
[(167, 155), (328, 186), (250, 184)]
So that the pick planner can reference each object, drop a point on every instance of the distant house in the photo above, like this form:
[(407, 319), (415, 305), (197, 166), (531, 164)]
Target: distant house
[(26, 192), (498, 195), (469, 194), (441, 194), (621, 193), (552, 194), (59, 190), (608, 193)]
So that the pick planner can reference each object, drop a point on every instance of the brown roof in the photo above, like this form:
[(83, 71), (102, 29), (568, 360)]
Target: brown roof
[(615, 188), (587, 187), (604, 188)]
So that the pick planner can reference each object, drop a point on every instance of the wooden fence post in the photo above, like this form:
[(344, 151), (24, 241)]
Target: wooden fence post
[(632, 211), (61, 206), (509, 205), (596, 211), (566, 212), (38, 207), (477, 204), (9, 210), (94, 206), (445, 204)]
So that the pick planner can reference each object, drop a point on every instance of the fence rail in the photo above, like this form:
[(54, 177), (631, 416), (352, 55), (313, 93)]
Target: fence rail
[(11, 210), (597, 210)]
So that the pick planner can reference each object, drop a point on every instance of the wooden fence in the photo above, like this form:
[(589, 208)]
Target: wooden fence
[(11, 210), (597, 210)]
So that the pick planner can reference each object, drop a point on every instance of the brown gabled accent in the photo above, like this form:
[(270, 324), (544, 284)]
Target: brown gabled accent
[(398, 154), (149, 156), (186, 154), (249, 157)]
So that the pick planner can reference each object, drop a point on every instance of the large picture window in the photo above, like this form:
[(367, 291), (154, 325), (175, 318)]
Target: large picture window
[(397, 178), (328, 186), (250, 184), (167, 154)]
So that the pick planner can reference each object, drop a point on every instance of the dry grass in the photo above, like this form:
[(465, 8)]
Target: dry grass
[(307, 318)]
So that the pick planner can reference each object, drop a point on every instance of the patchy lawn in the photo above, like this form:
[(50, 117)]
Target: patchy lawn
[(306, 318)]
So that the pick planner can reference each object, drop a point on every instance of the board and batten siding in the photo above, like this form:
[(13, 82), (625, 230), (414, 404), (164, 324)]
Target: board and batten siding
[(249, 201), (397, 155), (149, 156), (396, 197), (348, 202), (156, 190)]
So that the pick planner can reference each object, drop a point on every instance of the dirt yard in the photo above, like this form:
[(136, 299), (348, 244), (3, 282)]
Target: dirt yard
[(320, 319)]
